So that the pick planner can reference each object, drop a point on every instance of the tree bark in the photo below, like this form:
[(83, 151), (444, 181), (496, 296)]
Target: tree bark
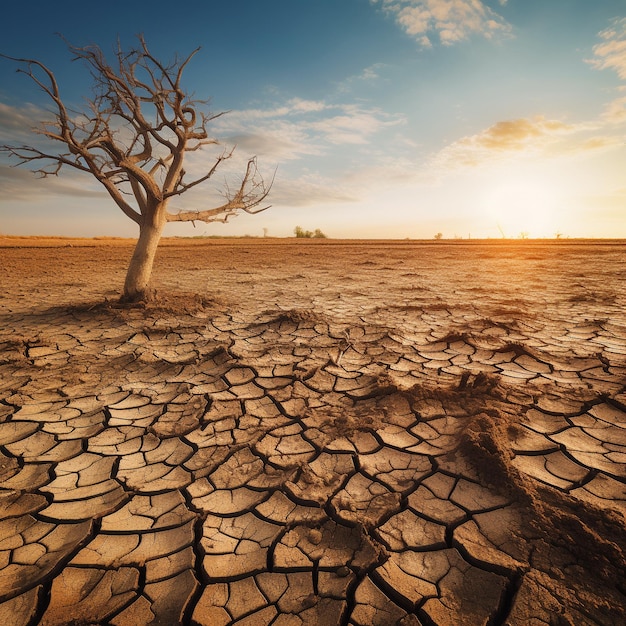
[(137, 284)]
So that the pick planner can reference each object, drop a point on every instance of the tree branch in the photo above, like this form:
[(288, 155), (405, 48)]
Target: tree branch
[(134, 134), (250, 194)]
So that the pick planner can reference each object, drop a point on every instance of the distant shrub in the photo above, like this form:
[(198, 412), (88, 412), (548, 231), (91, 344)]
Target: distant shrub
[(300, 233)]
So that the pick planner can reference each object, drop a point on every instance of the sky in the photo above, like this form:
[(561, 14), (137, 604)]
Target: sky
[(380, 118)]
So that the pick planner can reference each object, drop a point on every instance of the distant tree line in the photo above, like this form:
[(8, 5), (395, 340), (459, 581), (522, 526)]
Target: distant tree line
[(300, 233)]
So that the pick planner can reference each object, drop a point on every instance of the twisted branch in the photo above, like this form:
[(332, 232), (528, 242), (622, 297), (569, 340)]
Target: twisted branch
[(134, 133)]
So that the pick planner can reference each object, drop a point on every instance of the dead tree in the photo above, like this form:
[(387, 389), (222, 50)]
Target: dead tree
[(132, 136)]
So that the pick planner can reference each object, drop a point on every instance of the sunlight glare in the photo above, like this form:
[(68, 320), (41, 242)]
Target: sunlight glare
[(523, 209)]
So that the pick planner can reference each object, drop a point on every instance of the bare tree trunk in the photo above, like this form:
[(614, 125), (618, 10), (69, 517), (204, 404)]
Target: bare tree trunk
[(137, 284)]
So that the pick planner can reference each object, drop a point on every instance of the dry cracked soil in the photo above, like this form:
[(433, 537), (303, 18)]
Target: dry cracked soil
[(314, 432)]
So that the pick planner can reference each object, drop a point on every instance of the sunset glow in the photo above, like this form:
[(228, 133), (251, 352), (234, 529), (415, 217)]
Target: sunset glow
[(395, 119), (524, 209)]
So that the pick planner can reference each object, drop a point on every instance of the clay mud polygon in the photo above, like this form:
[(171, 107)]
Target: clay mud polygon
[(348, 433)]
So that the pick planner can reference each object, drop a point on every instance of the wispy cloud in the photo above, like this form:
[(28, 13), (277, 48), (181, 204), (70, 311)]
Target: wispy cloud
[(12, 118), (611, 52), (303, 127), (451, 21), (600, 142), (615, 111), (370, 76), (291, 108), (503, 138), (288, 133), (23, 184), (532, 138), (371, 73), (515, 141), (17, 123), (353, 125), (273, 138), (285, 132), (311, 190)]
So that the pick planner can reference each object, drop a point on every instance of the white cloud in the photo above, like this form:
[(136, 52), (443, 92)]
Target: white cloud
[(518, 138), (353, 125), (615, 111), (369, 76), (12, 118), (310, 190), (293, 107), (273, 138), (611, 52), (17, 123), (302, 127), (22, 184), (371, 73), (451, 20), (284, 134), (279, 134)]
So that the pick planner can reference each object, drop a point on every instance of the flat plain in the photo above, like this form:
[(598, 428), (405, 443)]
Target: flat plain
[(314, 432)]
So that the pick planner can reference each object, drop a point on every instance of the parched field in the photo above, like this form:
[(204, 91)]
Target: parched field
[(314, 432)]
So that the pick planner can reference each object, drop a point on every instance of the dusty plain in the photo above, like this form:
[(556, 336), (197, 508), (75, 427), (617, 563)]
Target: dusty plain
[(314, 432)]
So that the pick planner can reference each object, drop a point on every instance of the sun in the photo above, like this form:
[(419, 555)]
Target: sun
[(523, 209)]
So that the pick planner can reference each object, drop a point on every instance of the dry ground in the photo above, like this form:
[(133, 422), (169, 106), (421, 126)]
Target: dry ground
[(314, 432)]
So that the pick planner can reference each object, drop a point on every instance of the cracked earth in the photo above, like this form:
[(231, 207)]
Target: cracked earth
[(314, 433)]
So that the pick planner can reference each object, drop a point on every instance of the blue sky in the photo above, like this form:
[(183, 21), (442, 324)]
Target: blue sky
[(385, 118)]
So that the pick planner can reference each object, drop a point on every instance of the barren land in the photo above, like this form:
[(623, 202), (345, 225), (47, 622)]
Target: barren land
[(314, 432)]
